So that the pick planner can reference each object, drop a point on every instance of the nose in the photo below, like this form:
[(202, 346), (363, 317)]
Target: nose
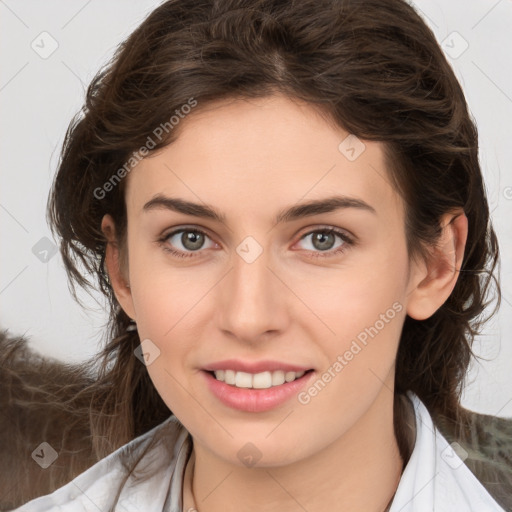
[(253, 302)]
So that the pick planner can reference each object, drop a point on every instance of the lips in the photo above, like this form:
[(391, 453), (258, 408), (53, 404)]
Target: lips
[(255, 367), (244, 385), (255, 400), (261, 380)]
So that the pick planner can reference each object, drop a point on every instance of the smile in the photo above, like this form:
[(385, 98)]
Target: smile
[(263, 380), (256, 392)]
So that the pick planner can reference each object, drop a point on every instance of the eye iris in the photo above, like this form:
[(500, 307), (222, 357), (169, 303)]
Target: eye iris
[(320, 238), (192, 240)]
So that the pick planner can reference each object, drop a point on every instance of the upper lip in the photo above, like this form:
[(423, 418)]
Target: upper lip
[(255, 366)]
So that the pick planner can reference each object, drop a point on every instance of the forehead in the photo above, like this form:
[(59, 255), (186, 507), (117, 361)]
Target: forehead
[(258, 154)]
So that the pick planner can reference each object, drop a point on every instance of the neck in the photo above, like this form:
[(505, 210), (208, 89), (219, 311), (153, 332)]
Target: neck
[(359, 471)]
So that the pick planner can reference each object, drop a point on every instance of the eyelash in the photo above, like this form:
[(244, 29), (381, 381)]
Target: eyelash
[(348, 241)]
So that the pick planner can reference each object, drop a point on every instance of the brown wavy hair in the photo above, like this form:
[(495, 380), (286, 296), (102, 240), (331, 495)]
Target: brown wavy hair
[(371, 67)]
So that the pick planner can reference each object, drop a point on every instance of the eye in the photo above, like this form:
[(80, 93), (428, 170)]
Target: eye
[(323, 242), (330, 241), (186, 240)]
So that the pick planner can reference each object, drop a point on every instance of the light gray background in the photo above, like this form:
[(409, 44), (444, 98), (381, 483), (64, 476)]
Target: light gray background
[(38, 97)]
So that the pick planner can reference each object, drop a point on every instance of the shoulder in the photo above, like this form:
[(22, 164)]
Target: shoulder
[(486, 445), (438, 476), (127, 477)]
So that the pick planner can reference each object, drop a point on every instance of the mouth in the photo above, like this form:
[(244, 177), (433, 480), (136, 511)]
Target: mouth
[(262, 380), (258, 392)]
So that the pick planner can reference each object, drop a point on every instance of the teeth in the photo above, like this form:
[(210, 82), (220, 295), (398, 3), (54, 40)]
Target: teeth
[(263, 380), (278, 378), (243, 380), (289, 376), (229, 377)]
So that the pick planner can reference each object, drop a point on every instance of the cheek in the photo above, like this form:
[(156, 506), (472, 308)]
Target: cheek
[(366, 315), (364, 309), (164, 317), (348, 299), (164, 296), (170, 313)]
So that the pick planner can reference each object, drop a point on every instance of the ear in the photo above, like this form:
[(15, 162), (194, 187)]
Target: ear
[(433, 281), (115, 271)]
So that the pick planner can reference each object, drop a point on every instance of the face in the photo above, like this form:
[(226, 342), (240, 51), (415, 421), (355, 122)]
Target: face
[(255, 278)]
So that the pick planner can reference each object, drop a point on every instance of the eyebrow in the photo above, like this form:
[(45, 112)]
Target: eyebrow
[(314, 207)]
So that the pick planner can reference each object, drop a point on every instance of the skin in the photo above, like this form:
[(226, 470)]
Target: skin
[(249, 159)]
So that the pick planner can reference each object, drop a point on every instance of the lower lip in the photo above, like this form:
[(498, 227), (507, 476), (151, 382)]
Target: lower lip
[(255, 400)]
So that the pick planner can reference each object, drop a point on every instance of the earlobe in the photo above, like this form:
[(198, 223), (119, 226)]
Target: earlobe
[(118, 281), (436, 279)]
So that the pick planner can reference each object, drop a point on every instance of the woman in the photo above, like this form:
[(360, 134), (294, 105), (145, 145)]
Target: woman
[(283, 203)]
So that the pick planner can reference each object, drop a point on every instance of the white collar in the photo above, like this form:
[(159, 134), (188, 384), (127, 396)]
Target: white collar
[(435, 478)]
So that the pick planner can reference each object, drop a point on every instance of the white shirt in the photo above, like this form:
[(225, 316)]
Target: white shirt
[(434, 479)]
